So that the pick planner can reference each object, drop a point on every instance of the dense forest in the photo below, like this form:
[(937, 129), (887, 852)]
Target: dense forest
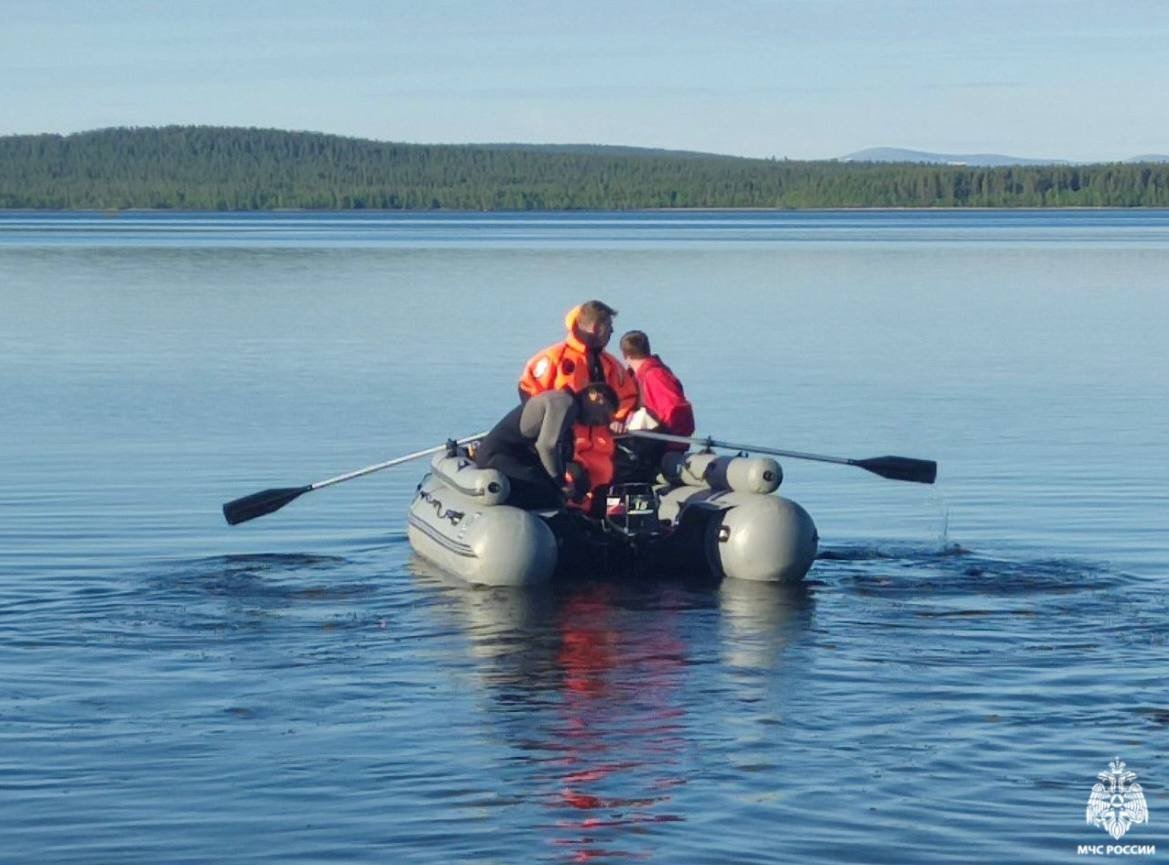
[(212, 168)]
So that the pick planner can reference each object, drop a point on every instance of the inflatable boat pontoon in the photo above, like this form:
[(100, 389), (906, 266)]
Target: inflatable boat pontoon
[(713, 515)]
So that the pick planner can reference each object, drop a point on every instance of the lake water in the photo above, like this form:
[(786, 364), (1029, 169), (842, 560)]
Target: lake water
[(961, 663)]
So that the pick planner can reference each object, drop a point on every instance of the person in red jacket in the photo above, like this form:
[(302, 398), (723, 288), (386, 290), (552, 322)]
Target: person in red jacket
[(664, 407)]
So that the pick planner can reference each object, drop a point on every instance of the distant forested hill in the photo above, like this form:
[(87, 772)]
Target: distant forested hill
[(212, 168)]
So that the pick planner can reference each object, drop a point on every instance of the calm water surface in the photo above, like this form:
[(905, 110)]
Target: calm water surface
[(961, 663)]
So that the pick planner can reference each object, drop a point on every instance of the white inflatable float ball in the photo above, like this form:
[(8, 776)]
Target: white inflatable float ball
[(764, 538), (756, 536), (759, 475)]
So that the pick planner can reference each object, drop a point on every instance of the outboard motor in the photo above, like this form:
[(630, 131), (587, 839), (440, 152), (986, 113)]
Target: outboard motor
[(632, 511)]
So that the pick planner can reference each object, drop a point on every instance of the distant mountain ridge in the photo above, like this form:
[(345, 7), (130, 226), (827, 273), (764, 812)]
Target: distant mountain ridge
[(604, 150), (978, 160), (900, 154)]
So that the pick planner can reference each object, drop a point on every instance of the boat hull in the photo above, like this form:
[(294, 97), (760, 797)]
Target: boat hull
[(459, 520)]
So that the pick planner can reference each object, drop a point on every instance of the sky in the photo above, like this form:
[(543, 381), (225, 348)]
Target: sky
[(802, 79)]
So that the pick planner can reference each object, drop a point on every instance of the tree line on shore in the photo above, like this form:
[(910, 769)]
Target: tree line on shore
[(218, 168)]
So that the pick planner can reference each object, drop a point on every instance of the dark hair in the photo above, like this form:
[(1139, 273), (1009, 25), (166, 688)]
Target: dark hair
[(635, 344), (592, 311), (597, 404)]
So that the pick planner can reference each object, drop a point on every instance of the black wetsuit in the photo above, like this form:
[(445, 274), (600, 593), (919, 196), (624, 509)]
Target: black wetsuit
[(532, 444)]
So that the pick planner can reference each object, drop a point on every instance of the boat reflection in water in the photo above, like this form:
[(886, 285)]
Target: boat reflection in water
[(590, 684), (759, 620)]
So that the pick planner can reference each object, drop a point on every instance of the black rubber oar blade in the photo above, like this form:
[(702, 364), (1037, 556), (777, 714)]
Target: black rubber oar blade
[(258, 504), (901, 469)]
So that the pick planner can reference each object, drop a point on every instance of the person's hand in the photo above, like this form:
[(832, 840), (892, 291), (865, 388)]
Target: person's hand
[(618, 426)]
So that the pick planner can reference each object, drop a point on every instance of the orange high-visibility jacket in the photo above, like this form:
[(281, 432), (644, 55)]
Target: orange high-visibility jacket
[(570, 365)]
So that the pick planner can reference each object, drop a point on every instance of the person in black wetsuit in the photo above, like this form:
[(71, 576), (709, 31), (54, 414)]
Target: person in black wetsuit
[(533, 443)]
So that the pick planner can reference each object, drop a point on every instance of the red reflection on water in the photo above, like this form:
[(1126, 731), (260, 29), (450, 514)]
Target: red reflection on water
[(618, 690)]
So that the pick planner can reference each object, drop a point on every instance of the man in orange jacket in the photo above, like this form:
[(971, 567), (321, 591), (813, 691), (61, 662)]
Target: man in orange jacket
[(571, 365)]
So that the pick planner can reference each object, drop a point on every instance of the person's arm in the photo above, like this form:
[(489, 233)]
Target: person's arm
[(539, 373), (557, 413), (625, 385)]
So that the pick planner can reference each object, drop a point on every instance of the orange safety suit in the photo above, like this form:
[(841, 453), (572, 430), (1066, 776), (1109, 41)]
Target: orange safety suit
[(572, 365)]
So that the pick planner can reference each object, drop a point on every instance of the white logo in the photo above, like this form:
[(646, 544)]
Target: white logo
[(541, 367), (1116, 802)]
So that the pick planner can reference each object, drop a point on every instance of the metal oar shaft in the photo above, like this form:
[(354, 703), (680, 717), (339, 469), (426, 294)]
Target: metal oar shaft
[(716, 443), (267, 501), (891, 467), (348, 476)]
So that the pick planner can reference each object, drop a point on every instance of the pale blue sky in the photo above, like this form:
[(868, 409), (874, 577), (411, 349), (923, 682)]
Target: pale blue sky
[(796, 78)]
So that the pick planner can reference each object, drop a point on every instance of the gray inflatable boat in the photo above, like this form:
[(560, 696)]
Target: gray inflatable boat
[(710, 515)]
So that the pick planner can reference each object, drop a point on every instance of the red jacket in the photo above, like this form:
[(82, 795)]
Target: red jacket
[(663, 397)]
